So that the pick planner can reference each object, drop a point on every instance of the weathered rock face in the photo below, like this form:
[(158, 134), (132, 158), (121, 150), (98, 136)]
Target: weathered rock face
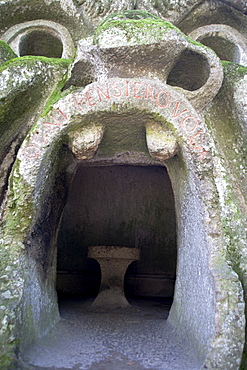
[(6, 53), (134, 90)]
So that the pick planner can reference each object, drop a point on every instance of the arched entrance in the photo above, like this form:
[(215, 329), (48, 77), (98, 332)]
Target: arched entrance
[(148, 115)]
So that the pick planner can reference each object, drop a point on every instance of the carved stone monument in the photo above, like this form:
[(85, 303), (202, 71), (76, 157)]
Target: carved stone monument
[(160, 85)]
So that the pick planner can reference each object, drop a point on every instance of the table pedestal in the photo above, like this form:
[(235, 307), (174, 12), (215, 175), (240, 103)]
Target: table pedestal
[(113, 263)]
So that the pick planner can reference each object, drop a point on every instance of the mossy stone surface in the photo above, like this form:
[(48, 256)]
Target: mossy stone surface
[(128, 14), (6, 53), (228, 126), (27, 84), (132, 30)]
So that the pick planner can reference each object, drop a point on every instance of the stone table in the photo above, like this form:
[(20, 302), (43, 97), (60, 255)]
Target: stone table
[(113, 261)]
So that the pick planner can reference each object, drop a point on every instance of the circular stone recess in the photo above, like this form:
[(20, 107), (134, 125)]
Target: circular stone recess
[(40, 38), (226, 42)]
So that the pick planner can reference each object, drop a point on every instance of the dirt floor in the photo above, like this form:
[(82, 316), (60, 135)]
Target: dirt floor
[(136, 338)]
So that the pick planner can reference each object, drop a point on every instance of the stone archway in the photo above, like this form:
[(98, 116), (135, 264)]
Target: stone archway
[(175, 133)]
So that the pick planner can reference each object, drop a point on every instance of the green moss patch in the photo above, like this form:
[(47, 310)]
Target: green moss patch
[(233, 71), (137, 29), (6, 53), (25, 84)]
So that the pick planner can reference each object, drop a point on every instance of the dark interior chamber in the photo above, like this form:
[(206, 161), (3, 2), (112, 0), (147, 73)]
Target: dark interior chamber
[(121, 205)]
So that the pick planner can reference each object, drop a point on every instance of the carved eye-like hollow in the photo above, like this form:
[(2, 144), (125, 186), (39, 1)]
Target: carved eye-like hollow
[(40, 38), (225, 49), (190, 72), (225, 41), (40, 43)]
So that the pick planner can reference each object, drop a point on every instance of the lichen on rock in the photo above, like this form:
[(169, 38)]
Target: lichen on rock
[(131, 28), (26, 85), (6, 53)]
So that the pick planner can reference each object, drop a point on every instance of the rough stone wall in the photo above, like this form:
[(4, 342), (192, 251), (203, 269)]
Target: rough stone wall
[(45, 129), (227, 124)]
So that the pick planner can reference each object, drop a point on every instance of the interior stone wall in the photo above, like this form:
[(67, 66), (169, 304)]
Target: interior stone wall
[(131, 206)]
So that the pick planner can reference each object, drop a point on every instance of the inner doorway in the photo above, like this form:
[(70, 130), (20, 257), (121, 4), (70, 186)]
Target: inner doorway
[(119, 205)]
